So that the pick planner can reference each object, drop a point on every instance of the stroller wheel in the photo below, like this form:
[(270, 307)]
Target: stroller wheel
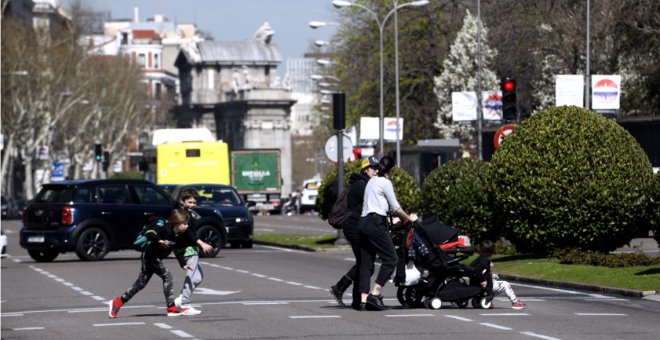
[(414, 296), (482, 302), (400, 295), (433, 303)]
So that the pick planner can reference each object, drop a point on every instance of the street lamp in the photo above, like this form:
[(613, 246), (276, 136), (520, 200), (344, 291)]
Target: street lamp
[(323, 62), (381, 26), (321, 43), (317, 24), (320, 77)]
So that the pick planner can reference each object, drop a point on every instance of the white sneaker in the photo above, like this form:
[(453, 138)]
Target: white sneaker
[(177, 301), (191, 311)]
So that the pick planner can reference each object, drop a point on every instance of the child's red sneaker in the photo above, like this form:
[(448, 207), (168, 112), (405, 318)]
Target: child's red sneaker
[(176, 310), (518, 305), (114, 306)]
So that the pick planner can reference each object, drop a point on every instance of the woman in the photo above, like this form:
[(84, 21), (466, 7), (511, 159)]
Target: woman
[(374, 236), (354, 200)]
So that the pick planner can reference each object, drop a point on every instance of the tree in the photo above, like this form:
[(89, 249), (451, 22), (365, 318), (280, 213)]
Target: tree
[(460, 74), (424, 33)]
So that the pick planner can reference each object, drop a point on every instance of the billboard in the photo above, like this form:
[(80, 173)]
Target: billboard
[(369, 128), (464, 105), (605, 92), (569, 90)]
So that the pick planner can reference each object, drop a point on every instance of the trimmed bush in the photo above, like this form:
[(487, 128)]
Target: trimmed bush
[(406, 190), (578, 256), (458, 193), (570, 178)]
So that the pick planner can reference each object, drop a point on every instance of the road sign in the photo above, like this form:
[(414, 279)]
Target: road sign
[(501, 133), (331, 148)]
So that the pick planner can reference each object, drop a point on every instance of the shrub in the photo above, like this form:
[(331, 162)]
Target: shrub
[(457, 192), (568, 177), (405, 189)]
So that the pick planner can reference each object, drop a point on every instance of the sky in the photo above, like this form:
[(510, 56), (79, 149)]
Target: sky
[(235, 20)]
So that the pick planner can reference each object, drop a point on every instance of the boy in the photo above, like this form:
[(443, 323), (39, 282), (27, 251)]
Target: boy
[(483, 266), (185, 250), (152, 263)]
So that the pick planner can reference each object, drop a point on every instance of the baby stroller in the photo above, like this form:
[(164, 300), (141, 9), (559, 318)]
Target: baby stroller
[(436, 249)]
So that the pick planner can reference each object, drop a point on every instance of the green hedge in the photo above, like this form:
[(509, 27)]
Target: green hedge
[(458, 193), (568, 177), (406, 190)]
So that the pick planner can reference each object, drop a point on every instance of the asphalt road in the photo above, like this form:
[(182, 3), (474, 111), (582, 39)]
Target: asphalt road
[(274, 293)]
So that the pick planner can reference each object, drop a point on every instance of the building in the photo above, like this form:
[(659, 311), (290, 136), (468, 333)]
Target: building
[(232, 88)]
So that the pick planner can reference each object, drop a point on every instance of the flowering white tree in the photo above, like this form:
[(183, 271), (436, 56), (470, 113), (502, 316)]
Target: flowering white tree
[(460, 74)]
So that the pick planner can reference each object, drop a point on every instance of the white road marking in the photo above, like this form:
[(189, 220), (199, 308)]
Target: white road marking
[(99, 298), (258, 275), (405, 315), (458, 318), (242, 271), (12, 314), (504, 314), (118, 324), (600, 314), (208, 291), (562, 290), (494, 326), (28, 328), (258, 303), (312, 287), (294, 283), (181, 334), (275, 279), (314, 316), (539, 336), (162, 325)]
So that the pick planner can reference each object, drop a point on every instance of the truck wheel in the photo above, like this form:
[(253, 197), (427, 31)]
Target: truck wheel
[(43, 255), (212, 236), (92, 244)]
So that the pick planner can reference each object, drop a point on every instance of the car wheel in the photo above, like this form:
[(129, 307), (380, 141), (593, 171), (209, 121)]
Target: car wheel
[(212, 236), (92, 244), (43, 255), (247, 244), (235, 244)]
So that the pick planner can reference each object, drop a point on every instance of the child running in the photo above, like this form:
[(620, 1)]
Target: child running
[(483, 262), (185, 250), (151, 260)]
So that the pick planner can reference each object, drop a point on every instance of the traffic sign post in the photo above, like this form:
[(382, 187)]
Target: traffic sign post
[(502, 133)]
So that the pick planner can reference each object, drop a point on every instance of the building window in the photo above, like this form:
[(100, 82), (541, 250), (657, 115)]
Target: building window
[(211, 75), (142, 60), (157, 61)]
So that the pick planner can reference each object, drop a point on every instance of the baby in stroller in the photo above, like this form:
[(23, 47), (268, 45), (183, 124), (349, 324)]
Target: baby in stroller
[(437, 250)]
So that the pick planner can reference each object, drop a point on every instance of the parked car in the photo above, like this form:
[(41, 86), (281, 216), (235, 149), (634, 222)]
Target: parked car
[(308, 193), (226, 200), (93, 217)]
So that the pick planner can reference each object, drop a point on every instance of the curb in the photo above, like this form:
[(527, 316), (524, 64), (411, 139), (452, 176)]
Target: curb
[(647, 295)]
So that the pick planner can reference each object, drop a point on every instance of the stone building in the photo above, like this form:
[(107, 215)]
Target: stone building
[(232, 88)]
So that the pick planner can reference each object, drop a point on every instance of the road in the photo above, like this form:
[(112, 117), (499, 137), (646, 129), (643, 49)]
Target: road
[(269, 292)]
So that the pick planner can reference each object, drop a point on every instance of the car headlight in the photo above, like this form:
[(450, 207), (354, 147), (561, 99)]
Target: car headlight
[(239, 220)]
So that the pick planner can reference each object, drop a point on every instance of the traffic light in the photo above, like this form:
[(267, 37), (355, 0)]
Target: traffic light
[(339, 111), (509, 101), (98, 152), (106, 160)]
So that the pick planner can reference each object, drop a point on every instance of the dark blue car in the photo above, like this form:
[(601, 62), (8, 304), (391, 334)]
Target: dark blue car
[(93, 217), (226, 200)]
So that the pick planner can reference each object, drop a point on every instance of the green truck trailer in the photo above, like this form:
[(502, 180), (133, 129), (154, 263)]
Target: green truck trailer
[(257, 176)]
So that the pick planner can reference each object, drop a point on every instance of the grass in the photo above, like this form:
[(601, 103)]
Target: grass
[(644, 278)]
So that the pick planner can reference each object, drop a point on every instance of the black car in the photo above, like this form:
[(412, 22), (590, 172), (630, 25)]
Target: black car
[(226, 200), (93, 217)]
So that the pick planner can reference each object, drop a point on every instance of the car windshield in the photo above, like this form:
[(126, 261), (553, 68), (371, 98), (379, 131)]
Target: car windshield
[(312, 185), (217, 196)]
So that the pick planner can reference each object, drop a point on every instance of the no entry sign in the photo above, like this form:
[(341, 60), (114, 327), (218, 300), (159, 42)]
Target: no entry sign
[(501, 133)]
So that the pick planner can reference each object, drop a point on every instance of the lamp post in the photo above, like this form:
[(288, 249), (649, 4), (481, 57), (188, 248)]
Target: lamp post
[(381, 27)]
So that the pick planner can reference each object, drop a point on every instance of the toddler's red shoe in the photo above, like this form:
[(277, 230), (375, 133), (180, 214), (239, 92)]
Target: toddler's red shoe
[(518, 305), (114, 306)]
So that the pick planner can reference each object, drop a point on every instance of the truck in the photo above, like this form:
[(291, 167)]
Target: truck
[(185, 156), (257, 176)]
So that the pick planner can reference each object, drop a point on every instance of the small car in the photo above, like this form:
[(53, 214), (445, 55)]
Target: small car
[(93, 217), (226, 200), (308, 193), (3, 244)]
